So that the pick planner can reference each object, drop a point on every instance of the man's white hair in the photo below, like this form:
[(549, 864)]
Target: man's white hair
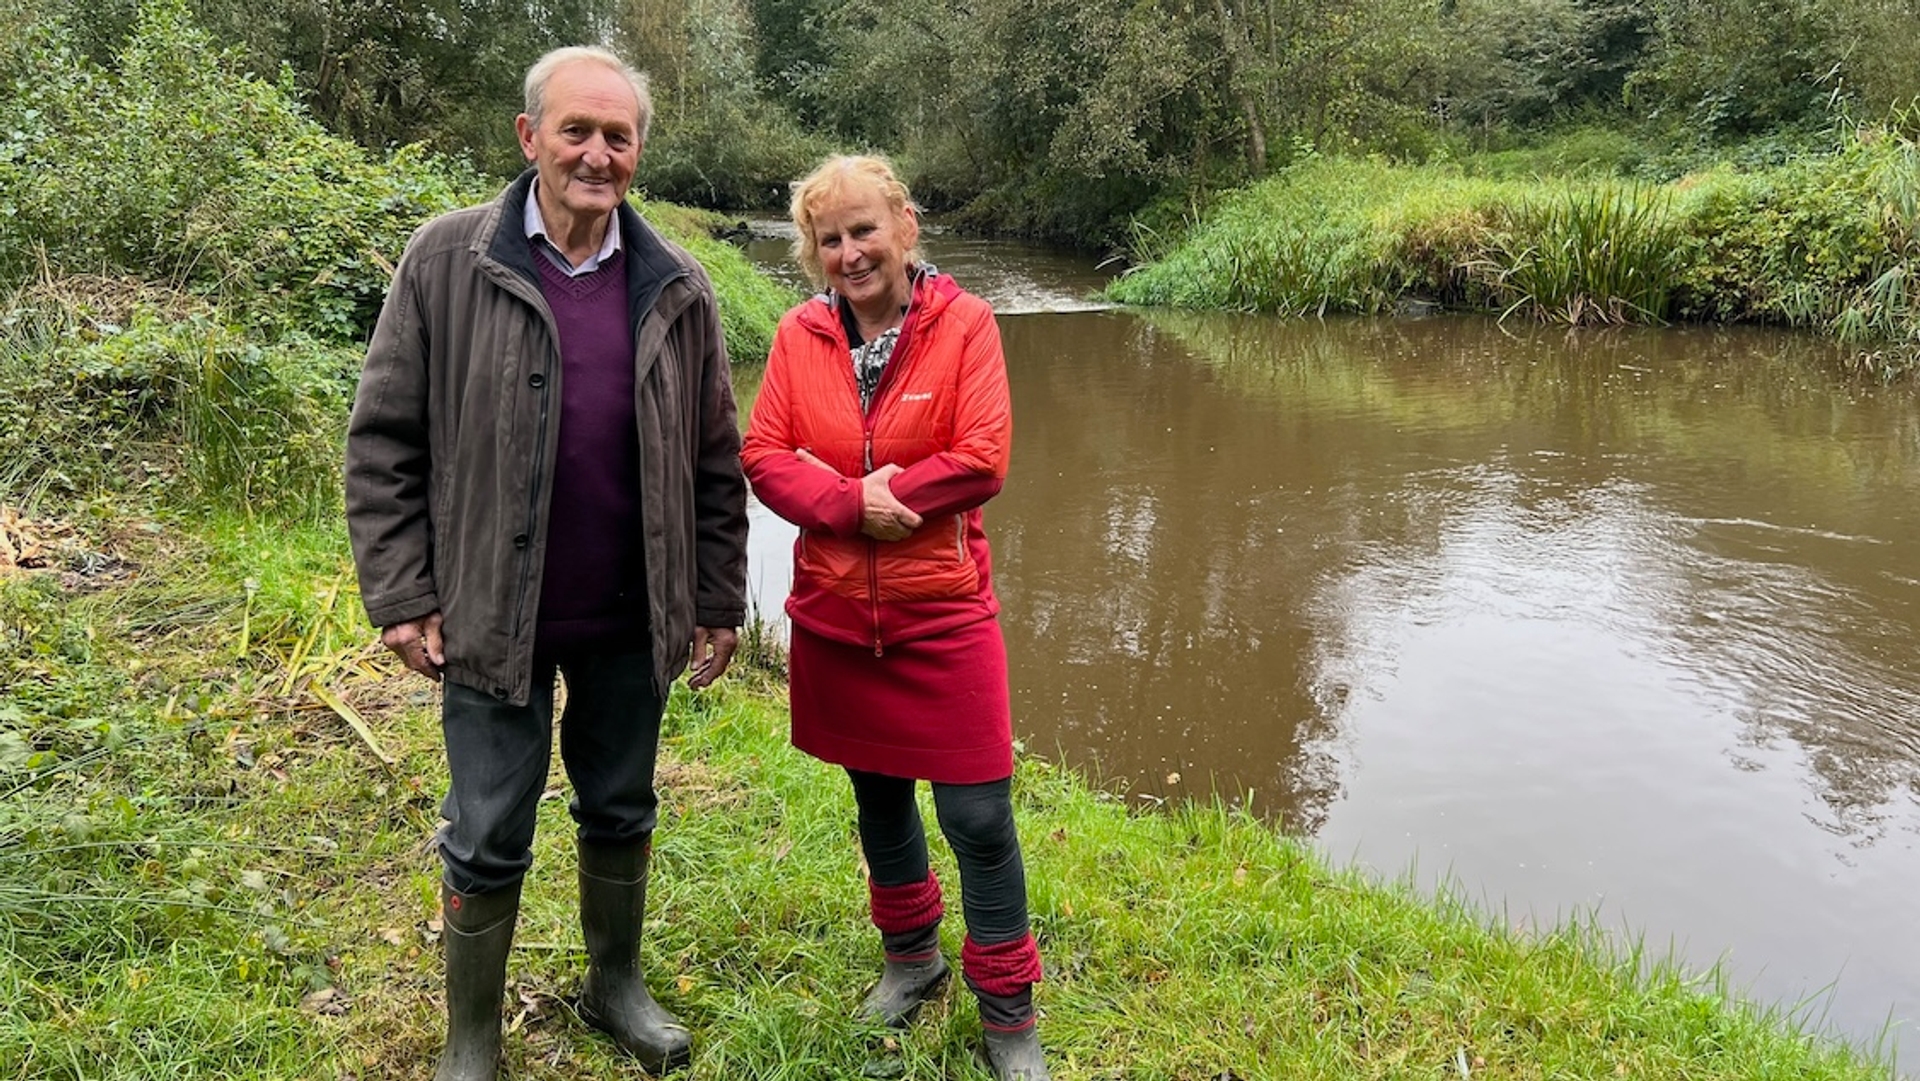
[(543, 69)]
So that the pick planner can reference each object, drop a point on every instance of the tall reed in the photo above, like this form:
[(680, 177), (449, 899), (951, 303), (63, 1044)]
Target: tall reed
[(1829, 242), (1601, 254)]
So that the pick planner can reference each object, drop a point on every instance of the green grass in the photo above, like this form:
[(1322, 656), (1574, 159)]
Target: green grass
[(209, 873), (752, 303)]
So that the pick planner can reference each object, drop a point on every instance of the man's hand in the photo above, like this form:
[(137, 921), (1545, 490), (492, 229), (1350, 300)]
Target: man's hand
[(882, 515), (417, 642), (712, 651)]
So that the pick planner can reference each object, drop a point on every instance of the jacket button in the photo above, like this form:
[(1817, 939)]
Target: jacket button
[(536, 380), (520, 541)]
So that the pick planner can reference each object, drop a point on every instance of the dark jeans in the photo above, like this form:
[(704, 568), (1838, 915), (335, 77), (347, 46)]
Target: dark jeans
[(977, 820), (498, 755)]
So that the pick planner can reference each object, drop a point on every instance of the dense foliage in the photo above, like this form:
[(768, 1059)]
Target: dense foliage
[(202, 178), (191, 317), (1069, 118)]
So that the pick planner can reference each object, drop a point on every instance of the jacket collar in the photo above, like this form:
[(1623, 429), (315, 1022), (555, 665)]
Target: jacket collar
[(650, 266), (932, 292)]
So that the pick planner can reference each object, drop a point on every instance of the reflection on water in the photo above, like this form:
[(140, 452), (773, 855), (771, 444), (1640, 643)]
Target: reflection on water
[(1619, 622)]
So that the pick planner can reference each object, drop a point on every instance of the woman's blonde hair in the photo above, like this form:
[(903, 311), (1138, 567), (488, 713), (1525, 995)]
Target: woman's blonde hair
[(833, 178)]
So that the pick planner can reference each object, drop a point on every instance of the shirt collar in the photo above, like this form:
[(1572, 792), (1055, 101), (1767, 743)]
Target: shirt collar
[(536, 227)]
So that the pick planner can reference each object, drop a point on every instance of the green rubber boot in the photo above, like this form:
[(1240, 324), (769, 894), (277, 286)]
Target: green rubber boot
[(614, 998), (477, 930)]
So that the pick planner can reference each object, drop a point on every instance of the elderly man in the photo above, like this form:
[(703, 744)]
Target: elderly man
[(543, 478)]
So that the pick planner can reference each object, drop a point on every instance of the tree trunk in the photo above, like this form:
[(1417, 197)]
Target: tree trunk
[(1233, 40)]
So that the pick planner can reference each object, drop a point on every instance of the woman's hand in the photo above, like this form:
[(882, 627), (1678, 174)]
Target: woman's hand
[(882, 515)]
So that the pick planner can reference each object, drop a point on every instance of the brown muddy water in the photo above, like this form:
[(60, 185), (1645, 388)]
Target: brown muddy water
[(1616, 625)]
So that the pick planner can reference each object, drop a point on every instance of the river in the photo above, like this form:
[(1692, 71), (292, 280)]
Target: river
[(1613, 624)]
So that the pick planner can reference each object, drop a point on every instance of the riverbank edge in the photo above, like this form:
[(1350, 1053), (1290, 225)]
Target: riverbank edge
[(1829, 243), (247, 888)]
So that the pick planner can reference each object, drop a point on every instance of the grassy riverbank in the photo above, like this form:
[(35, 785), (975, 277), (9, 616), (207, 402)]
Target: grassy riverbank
[(217, 794), (1828, 242), (214, 845)]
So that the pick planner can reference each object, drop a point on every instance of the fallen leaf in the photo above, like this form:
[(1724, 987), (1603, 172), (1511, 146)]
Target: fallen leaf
[(328, 1002)]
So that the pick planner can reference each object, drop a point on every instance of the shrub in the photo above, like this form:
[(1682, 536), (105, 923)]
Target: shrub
[(204, 178), (157, 394), (1602, 254), (1824, 241)]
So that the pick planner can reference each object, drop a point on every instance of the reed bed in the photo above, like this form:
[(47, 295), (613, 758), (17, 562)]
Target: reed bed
[(1824, 242)]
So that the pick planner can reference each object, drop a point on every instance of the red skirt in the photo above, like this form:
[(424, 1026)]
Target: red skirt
[(933, 709)]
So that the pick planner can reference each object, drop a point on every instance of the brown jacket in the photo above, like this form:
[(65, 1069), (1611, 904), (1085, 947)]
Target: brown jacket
[(454, 433)]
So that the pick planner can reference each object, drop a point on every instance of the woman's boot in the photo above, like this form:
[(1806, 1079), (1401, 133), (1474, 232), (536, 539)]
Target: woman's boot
[(914, 970), (477, 930), (614, 997), (913, 973), (1002, 976)]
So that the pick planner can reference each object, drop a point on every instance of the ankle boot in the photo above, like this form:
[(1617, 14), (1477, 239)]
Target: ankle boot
[(614, 997), (1012, 1034), (913, 973), (1015, 1055), (477, 929)]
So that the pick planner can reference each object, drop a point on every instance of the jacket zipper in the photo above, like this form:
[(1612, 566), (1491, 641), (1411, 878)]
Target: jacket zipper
[(873, 546), (866, 460)]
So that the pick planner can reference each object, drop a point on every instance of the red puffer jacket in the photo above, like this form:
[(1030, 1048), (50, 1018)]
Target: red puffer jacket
[(941, 413)]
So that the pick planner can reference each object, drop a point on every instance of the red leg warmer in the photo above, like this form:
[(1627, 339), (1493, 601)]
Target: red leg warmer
[(1004, 968), (898, 910)]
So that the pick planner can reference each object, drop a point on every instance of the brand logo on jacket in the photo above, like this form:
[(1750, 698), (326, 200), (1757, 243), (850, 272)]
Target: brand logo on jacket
[(920, 396)]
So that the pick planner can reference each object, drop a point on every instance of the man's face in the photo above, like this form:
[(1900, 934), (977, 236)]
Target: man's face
[(586, 146)]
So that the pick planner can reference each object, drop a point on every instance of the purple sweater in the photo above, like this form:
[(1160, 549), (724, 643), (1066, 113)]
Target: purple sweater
[(593, 589)]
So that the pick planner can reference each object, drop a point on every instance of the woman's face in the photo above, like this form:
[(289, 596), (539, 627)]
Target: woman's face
[(863, 244)]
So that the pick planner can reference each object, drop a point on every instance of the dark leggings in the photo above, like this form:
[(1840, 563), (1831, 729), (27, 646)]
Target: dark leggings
[(977, 820)]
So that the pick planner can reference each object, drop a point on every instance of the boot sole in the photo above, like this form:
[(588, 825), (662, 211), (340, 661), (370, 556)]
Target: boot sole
[(654, 1062)]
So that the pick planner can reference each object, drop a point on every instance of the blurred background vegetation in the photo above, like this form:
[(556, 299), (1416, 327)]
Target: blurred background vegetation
[(1069, 119), (1735, 159)]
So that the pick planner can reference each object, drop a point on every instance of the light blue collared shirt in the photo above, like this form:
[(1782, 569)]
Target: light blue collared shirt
[(537, 232)]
